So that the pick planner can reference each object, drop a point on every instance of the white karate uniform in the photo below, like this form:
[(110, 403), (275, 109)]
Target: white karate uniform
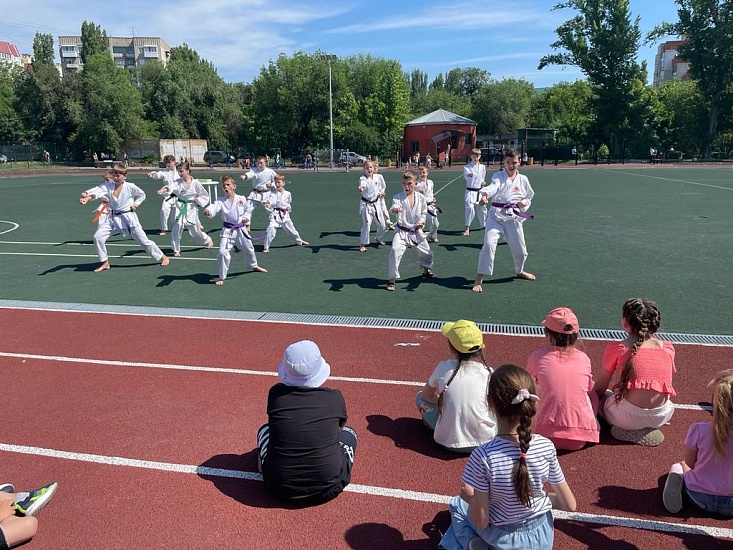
[(235, 213), (426, 188), (120, 218), (369, 209), (381, 203), (278, 203), (262, 182), (406, 234), (167, 210), (475, 176), (189, 198), (504, 221)]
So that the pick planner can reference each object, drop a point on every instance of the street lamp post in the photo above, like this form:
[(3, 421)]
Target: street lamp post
[(330, 57)]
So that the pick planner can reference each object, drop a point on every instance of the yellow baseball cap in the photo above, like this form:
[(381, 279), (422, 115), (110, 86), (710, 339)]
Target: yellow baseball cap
[(463, 335)]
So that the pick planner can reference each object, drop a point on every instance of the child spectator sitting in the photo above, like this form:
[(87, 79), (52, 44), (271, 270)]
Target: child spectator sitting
[(640, 402), (460, 417), (704, 478), (306, 451), (566, 412)]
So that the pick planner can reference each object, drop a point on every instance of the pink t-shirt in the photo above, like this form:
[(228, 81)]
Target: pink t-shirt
[(653, 367), (712, 473), (564, 380)]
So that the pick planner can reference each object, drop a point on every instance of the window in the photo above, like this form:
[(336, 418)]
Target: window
[(414, 146)]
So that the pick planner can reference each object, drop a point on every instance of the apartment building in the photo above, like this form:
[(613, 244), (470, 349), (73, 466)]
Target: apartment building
[(127, 52), (668, 65), (9, 54)]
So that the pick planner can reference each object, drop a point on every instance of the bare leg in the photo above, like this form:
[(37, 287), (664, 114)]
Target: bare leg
[(19, 529)]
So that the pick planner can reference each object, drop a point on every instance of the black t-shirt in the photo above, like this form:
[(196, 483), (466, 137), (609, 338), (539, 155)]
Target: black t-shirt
[(304, 458)]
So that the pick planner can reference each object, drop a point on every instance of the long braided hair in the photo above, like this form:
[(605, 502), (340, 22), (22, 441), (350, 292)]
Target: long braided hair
[(462, 358), (722, 409), (504, 387), (643, 319)]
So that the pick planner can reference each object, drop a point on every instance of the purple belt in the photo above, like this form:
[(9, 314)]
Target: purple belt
[(512, 206), (239, 226)]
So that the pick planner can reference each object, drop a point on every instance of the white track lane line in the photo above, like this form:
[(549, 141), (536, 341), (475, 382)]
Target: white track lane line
[(603, 519)]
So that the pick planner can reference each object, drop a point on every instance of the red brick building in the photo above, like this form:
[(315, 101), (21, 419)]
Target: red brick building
[(434, 132)]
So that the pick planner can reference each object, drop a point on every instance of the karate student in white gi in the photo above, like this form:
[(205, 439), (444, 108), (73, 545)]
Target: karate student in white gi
[(370, 190), (426, 187), (278, 203), (381, 203), (235, 212), (190, 195), (169, 175), (475, 175), (123, 197), (511, 196), (411, 209), (263, 181)]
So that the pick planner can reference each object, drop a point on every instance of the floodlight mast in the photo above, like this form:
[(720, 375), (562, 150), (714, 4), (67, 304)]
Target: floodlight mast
[(330, 57)]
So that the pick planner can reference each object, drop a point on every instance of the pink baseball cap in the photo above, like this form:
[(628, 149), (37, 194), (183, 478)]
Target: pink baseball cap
[(562, 320)]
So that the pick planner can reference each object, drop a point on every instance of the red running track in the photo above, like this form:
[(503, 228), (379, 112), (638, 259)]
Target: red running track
[(95, 388)]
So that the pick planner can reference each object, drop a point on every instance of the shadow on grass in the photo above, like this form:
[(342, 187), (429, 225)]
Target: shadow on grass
[(411, 285)]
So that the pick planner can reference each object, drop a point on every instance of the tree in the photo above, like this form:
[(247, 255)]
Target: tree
[(93, 41), (112, 106), (707, 26), (603, 41), (685, 112), (503, 107), (418, 84), (43, 49), (10, 126), (466, 82), (566, 108)]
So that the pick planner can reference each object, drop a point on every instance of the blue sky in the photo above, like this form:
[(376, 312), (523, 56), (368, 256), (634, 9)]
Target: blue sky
[(507, 39)]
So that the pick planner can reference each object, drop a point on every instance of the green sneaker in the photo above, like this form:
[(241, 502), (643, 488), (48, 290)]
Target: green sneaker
[(36, 499)]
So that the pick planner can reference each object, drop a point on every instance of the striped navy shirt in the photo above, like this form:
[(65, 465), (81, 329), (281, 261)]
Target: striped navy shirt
[(489, 470)]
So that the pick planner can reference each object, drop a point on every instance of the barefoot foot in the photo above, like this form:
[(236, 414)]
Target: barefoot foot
[(210, 244), (177, 254), (526, 275), (362, 248), (304, 243), (161, 233), (219, 282), (104, 266), (164, 261), (265, 250), (259, 269), (477, 288)]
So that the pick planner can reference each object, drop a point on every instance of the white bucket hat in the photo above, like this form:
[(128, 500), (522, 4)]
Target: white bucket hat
[(303, 366)]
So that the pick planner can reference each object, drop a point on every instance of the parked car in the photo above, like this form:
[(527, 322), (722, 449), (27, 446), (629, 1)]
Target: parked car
[(218, 157), (3, 158), (352, 158)]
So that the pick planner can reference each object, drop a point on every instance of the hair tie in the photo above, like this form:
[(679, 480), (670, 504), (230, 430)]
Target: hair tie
[(523, 395), (522, 455)]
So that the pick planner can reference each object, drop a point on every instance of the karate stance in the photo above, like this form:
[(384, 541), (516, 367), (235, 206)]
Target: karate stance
[(411, 209), (123, 197), (235, 212), (511, 196), (278, 203)]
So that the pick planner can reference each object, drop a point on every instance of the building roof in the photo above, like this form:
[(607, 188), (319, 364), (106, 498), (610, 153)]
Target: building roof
[(441, 116), (9, 48)]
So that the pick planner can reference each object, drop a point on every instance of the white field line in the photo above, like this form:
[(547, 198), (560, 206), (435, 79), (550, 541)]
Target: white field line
[(221, 370), (13, 227), (621, 521), (672, 179)]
